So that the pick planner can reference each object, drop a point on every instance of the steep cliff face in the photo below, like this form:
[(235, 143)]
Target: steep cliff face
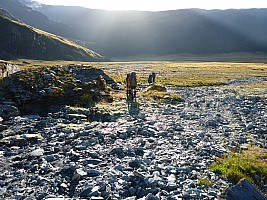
[(18, 40)]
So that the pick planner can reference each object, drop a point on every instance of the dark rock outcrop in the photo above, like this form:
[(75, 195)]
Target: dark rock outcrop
[(36, 89), (244, 190), (7, 111)]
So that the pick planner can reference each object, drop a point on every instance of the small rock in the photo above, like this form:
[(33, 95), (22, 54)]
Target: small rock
[(171, 178), (93, 161), (250, 126), (172, 186), (50, 158), (138, 174), (85, 192), (150, 196), (3, 127), (81, 172), (37, 153), (7, 111), (135, 163), (93, 173)]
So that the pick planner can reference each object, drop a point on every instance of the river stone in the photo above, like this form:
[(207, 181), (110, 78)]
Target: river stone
[(250, 126), (86, 191), (138, 174), (76, 116), (135, 163), (81, 172), (150, 196), (37, 152), (3, 127), (93, 172), (50, 158), (32, 137), (96, 198), (171, 186), (7, 111), (171, 178), (212, 122), (93, 161)]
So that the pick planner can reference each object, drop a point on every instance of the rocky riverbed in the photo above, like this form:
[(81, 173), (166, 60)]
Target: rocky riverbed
[(158, 153)]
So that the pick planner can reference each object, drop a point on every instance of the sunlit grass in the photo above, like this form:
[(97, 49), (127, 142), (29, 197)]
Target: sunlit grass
[(158, 92), (250, 164), (185, 73), (170, 73)]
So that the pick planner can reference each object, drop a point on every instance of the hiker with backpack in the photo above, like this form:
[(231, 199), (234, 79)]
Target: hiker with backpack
[(131, 84), (151, 78), (128, 85)]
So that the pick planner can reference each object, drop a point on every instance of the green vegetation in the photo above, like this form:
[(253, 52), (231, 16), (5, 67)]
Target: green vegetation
[(158, 92), (250, 164), (205, 182), (184, 73), (171, 73)]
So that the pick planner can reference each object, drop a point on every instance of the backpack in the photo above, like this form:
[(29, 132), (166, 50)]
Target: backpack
[(133, 79)]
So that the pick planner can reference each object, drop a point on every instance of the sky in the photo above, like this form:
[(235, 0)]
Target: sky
[(159, 5)]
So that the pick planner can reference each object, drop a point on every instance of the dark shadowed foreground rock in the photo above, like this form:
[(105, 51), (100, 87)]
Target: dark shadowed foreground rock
[(8, 111), (244, 190)]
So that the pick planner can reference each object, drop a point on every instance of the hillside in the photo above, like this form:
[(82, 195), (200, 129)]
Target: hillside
[(18, 40), (196, 31), (35, 18)]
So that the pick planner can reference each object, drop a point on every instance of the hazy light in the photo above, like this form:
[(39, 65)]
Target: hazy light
[(156, 5)]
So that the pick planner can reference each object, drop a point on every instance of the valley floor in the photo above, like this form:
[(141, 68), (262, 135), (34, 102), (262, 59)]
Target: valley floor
[(159, 153)]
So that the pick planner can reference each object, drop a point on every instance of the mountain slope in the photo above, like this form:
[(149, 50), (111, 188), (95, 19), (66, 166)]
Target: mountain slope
[(124, 33), (36, 19), (18, 40)]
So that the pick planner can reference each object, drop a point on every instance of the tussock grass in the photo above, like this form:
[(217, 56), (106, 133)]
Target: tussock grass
[(170, 73), (184, 73), (250, 164), (158, 92)]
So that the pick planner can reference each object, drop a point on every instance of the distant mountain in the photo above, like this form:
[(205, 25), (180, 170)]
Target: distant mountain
[(131, 33), (18, 9), (126, 33), (30, 3), (18, 40)]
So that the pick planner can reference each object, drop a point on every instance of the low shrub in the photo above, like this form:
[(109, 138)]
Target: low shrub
[(250, 164)]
